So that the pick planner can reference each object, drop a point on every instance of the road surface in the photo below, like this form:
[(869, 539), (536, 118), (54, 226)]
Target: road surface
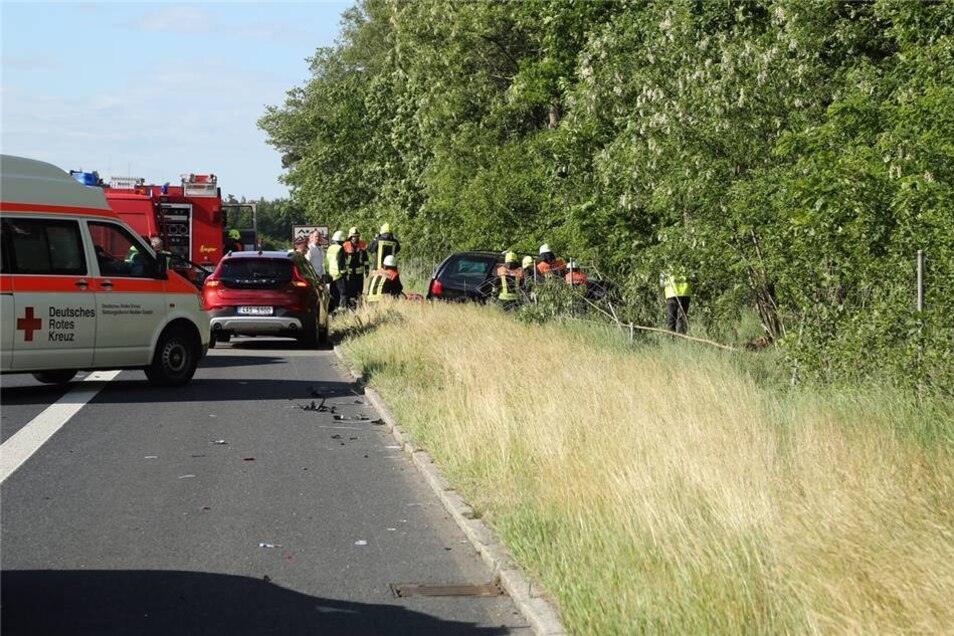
[(147, 512)]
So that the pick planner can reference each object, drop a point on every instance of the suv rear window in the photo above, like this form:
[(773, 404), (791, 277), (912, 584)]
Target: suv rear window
[(255, 273), (466, 270)]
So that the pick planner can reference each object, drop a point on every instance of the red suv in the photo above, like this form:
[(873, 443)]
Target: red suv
[(273, 293)]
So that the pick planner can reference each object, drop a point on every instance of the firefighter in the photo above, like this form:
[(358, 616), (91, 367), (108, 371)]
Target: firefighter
[(334, 272), (676, 287), (384, 243), (385, 280), (356, 266), (574, 276), (509, 282), (549, 266), (234, 242), (528, 269)]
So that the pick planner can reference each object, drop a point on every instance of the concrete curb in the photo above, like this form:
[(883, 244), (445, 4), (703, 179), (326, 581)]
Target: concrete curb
[(529, 597)]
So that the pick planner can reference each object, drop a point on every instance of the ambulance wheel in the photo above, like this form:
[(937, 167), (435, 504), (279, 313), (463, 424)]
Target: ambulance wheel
[(175, 359), (55, 377)]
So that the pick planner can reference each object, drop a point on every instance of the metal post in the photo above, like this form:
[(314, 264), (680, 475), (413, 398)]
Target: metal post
[(920, 307), (632, 333), (258, 243), (920, 281)]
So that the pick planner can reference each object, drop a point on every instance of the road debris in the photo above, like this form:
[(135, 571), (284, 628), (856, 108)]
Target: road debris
[(151, 457), (336, 436), (267, 578), (197, 455), (319, 408), (220, 442), (361, 542), (269, 545), (186, 476), (356, 418), (248, 459)]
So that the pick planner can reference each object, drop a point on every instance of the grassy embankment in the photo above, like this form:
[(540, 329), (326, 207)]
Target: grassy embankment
[(663, 490)]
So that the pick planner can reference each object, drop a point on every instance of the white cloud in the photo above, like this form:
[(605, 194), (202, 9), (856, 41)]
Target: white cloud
[(177, 19), (31, 63), (179, 121)]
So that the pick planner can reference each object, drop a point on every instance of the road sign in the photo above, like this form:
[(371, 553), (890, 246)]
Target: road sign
[(305, 230)]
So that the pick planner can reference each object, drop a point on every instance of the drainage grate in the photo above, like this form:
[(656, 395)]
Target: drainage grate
[(403, 590)]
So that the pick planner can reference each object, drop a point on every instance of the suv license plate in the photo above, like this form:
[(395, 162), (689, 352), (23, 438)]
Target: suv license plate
[(255, 311)]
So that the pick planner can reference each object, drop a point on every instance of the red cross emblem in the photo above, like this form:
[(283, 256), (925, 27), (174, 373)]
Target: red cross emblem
[(28, 324)]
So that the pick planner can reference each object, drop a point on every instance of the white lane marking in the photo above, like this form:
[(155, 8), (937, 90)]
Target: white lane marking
[(41, 428)]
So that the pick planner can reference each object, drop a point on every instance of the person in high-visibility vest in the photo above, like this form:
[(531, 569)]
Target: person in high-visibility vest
[(334, 271), (509, 282), (574, 276), (528, 269), (385, 281), (234, 242), (356, 266), (384, 244), (676, 287), (549, 266)]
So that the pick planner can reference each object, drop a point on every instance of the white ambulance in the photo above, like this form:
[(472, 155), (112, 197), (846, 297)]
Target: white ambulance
[(80, 290)]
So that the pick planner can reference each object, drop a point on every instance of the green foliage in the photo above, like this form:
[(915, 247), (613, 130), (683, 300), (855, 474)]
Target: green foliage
[(794, 155)]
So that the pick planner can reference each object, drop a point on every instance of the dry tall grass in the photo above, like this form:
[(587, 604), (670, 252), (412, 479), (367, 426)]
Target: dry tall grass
[(662, 491)]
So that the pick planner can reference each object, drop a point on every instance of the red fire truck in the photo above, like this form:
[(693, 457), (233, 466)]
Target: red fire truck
[(190, 218)]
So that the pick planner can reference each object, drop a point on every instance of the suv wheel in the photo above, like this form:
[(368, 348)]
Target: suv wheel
[(175, 359), (309, 337), (55, 377)]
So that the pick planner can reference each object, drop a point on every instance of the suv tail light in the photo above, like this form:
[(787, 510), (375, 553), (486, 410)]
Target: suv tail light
[(436, 287), (211, 282), (297, 279)]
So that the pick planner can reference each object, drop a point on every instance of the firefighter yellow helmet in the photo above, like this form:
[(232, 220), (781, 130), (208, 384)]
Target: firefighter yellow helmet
[(235, 234), (527, 261), (385, 228), (545, 248), (510, 257), (353, 232), (338, 236)]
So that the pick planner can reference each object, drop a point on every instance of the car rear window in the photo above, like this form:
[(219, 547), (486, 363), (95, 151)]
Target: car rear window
[(255, 273), (466, 270)]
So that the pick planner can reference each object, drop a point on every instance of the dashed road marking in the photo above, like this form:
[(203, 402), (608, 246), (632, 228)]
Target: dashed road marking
[(41, 428)]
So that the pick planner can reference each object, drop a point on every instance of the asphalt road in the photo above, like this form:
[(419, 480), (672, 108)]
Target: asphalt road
[(130, 520)]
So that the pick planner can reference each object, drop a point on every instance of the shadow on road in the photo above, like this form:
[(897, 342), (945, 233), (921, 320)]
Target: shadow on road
[(199, 390), (171, 602), (258, 344), (222, 361), (221, 390), (35, 394)]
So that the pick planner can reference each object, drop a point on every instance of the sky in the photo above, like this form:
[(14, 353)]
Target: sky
[(156, 90)]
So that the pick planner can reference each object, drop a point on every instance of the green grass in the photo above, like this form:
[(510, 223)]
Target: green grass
[(670, 487)]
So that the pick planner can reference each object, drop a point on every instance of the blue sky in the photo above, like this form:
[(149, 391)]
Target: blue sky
[(155, 90)]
